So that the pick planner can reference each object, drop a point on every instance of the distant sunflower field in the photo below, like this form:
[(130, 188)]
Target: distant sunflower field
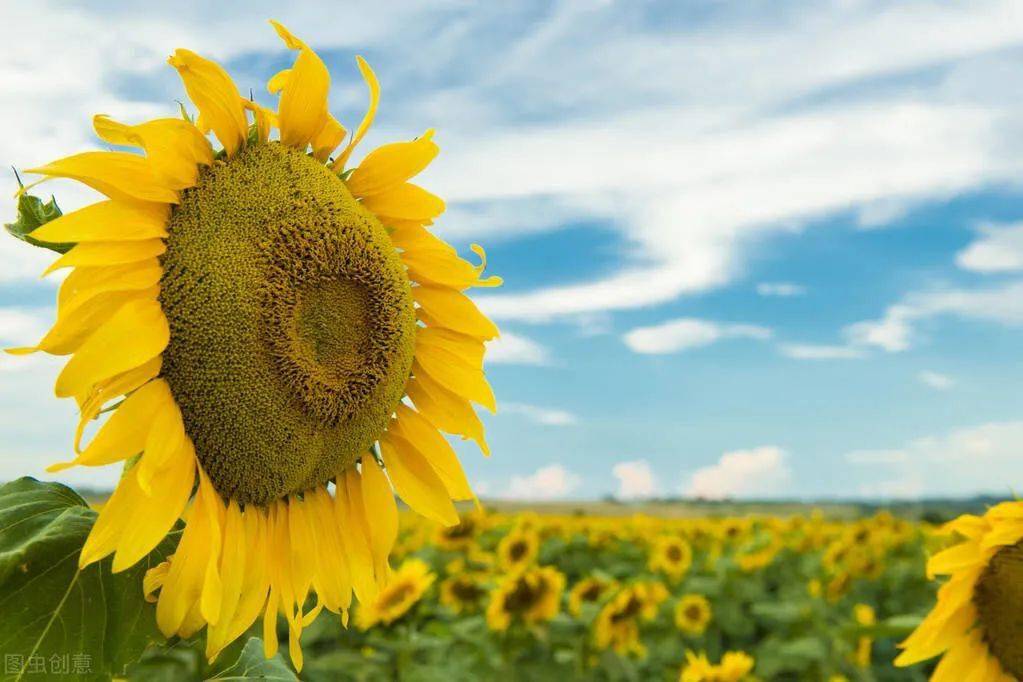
[(551, 597)]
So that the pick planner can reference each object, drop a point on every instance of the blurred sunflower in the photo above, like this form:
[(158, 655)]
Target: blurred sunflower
[(532, 596), (460, 536), (617, 624), (733, 667), (975, 625), (266, 312), (692, 614), (463, 593), (405, 588), (865, 617), (518, 549), (588, 591), (671, 556)]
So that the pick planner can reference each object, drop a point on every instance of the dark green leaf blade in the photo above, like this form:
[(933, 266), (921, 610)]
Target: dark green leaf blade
[(80, 625)]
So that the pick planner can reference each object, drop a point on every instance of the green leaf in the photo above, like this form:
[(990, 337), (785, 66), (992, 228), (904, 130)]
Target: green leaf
[(32, 213), (85, 625), (252, 665)]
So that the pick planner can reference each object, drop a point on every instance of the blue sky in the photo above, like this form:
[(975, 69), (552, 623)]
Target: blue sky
[(750, 249)]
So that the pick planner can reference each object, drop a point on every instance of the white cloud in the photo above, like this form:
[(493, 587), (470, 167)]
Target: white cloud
[(999, 249), (541, 415), (761, 471), (966, 461), (514, 349), (546, 483), (781, 289), (688, 333), (896, 330), (809, 351), (635, 480), (936, 380)]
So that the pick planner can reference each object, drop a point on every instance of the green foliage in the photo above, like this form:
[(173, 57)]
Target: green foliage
[(90, 623), (32, 213)]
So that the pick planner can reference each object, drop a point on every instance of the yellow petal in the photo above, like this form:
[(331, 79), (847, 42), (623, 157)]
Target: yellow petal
[(326, 141), (450, 412), (86, 282), (416, 482), (447, 268), (374, 99), (75, 325), (256, 580), (232, 570), (378, 499), (136, 333), (164, 442), (392, 165), (353, 527), (302, 111), (174, 147), (278, 81), (185, 587), (150, 516), (405, 202), (91, 254), (444, 307), (114, 387), (107, 221), (424, 437), (125, 433), (118, 175), (333, 581), (455, 375), (215, 95), (263, 118)]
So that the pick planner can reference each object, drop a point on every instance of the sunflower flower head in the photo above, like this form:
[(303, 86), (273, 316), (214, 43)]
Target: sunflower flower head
[(671, 556), (518, 549), (974, 626), (529, 597), (289, 339), (406, 587), (692, 614)]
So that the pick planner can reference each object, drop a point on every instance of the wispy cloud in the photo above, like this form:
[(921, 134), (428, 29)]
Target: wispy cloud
[(687, 333), (936, 380), (896, 330), (781, 289), (964, 461), (999, 249), (541, 415), (514, 349), (810, 351)]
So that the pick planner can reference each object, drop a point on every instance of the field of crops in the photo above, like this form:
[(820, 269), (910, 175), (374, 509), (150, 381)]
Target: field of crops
[(551, 597)]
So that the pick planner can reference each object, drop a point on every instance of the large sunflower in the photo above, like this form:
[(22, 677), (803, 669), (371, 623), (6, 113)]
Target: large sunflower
[(975, 625), (271, 317)]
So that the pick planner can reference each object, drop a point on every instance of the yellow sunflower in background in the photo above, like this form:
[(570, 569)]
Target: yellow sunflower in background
[(617, 624), (733, 667), (588, 591), (532, 596), (405, 588), (464, 593), (271, 317), (975, 626), (692, 614), (518, 549), (671, 556), (865, 617)]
